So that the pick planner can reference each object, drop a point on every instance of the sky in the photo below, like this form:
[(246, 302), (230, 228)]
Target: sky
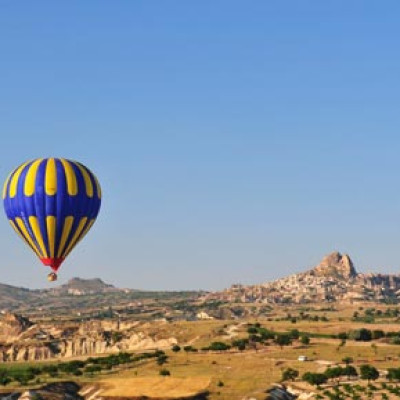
[(234, 141)]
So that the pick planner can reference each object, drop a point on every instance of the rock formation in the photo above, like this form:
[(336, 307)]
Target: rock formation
[(24, 341), (336, 265), (333, 279), (12, 325)]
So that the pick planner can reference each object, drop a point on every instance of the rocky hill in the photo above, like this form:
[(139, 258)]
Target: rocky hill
[(333, 279), (79, 296), (79, 286), (12, 297)]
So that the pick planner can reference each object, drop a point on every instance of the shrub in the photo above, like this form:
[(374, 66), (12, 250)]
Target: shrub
[(164, 372)]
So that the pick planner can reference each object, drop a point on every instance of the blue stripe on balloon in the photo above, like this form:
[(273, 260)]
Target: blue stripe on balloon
[(62, 202), (76, 204), (24, 206)]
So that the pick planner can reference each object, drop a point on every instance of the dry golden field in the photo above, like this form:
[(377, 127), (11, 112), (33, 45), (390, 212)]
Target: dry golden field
[(235, 374), (238, 375)]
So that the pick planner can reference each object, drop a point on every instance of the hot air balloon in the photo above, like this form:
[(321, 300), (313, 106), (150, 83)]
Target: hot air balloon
[(51, 203)]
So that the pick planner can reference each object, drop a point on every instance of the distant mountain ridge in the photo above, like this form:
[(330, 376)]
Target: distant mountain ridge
[(79, 286), (12, 297), (333, 279), (75, 294)]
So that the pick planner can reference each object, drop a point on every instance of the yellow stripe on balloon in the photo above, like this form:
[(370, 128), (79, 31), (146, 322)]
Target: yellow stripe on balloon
[(51, 233), (27, 236), (72, 186), (6, 184), (15, 178), (85, 231), (33, 221), (78, 231), (65, 233), (30, 178), (51, 177), (86, 178), (22, 236), (98, 188)]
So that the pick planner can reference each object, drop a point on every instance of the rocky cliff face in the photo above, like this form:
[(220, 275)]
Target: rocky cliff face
[(12, 326), (333, 279), (335, 265), (79, 286), (25, 341)]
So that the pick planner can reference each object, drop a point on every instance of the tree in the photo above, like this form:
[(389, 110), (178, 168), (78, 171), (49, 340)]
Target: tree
[(283, 340), (378, 334), (266, 334), (176, 348), (91, 369), (22, 377), (242, 347), (294, 334), (189, 349), (305, 340), (164, 372), (240, 344), (349, 371), (362, 335), (162, 359), (290, 374), (394, 374), (369, 372), (5, 378), (314, 378), (49, 369), (348, 360), (252, 330), (334, 373), (374, 347)]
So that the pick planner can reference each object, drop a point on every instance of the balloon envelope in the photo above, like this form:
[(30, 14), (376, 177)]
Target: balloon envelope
[(51, 203)]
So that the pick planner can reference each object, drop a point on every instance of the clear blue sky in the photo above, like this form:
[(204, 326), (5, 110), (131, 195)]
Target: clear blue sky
[(235, 141)]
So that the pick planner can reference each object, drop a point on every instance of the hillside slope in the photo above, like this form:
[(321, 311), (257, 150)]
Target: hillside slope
[(333, 279)]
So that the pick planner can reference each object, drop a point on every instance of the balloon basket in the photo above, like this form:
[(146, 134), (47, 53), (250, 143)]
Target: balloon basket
[(52, 277)]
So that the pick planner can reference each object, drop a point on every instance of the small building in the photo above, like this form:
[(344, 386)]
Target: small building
[(302, 358)]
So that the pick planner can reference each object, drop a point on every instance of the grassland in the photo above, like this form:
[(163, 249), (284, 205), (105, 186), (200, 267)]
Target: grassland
[(234, 374)]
